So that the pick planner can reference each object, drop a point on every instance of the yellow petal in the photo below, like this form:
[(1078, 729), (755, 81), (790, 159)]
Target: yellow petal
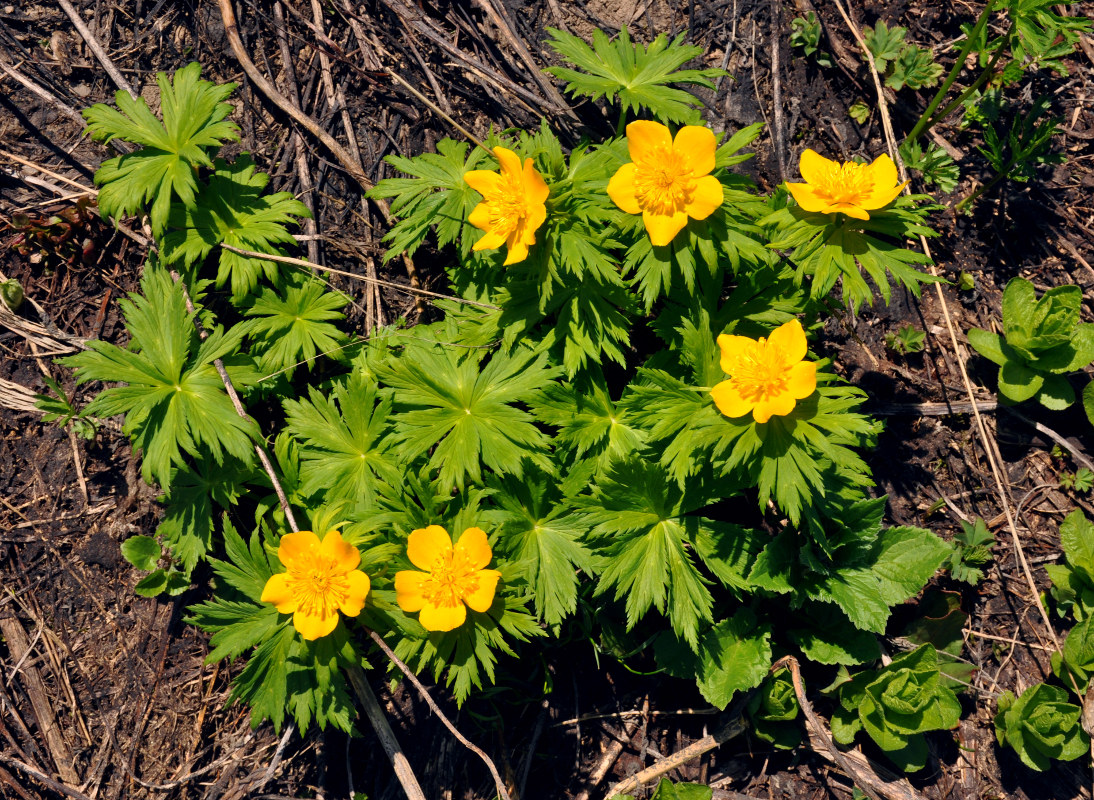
[(706, 198), (663, 228), (276, 591), (644, 138), (729, 400), (789, 340), (621, 189), (480, 217), (313, 626), (734, 348), (474, 546), (508, 160), (809, 198), (698, 145), (483, 181), (537, 215), (345, 555), (882, 172), (518, 251), (778, 406), (880, 198), (442, 618), (408, 590), (426, 545), (535, 188), (483, 597), (491, 240), (802, 381), (359, 584), (850, 210), (297, 547), (813, 166)]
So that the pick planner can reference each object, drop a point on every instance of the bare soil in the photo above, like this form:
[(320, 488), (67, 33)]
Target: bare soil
[(105, 694)]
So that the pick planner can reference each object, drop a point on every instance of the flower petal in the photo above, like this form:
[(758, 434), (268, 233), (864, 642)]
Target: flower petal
[(508, 161), (697, 144), (882, 172), (879, 198), (621, 189), (425, 545), (483, 597), (663, 228), (645, 137), (345, 555), (734, 348), (297, 547), (480, 217), (535, 188), (778, 406), (729, 400), (408, 590), (788, 340), (442, 618), (475, 547), (277, 591), (483, 181), (706, 198), (809, 199), (850, 210), (491, 240), (518, 251), (812, 166), (802, 380), (359, 584), (313, 626), (537, 215)]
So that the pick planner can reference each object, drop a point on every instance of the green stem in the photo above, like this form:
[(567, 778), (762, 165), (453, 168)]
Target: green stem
[(960, 207), (621, 126), (924, 120), (981, 79)]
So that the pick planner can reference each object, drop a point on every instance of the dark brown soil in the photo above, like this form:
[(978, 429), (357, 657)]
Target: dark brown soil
[(135, 710)]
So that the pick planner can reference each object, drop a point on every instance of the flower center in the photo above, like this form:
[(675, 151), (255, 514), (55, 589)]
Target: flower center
[(320, 588), (451, 579), (761, 373), (663, 182), (845, 183), (508, 206)]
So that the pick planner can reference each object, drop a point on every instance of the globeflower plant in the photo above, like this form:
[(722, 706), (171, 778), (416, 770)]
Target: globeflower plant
[(849, 188), (321, 579), (512, 209), (767, 376), (454, 577), (668, 180)]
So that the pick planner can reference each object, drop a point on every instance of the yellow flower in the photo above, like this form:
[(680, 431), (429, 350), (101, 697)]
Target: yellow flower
[(766, 376), (851, 188), (321, 579), (512, 206), (668, 179), (453, 576)]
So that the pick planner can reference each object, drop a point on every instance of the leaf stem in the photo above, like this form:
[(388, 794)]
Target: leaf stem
[(925, 120)]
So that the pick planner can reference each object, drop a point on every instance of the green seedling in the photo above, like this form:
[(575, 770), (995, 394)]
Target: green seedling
[(805, 34), (1042, 342), (1081, 480), (1041, 726), (971, 551), (906, 340), (1073, 581)]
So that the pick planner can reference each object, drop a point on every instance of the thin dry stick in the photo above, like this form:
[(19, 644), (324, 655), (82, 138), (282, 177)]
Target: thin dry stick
[(231, 28), (96, 48), (611, 755), (410, 676), (1004, 498), (50, 98), (50, 173), (779, 128), (731, 729), (299, 262)]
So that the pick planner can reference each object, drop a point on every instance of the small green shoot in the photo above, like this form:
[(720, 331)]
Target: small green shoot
[(859, 112), (59, 408), (805, 33), (971, 552), (906, 340), (1081, 480), (1041, 726), (934, 164)]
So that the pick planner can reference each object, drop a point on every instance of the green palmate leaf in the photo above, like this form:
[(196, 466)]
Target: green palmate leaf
[(638, 76), (543, 537), (637, 524), (915, 68), (316, 682), (344, 456), (263, 683), (735, 655), (142, 552), (588, 423), (1042, 36), (885, 43), (193, 124), (188, 517), (236, 626), (1041, 726), (435, 196), (467, 416), (174, 400), (296, 327), (231, 209)]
